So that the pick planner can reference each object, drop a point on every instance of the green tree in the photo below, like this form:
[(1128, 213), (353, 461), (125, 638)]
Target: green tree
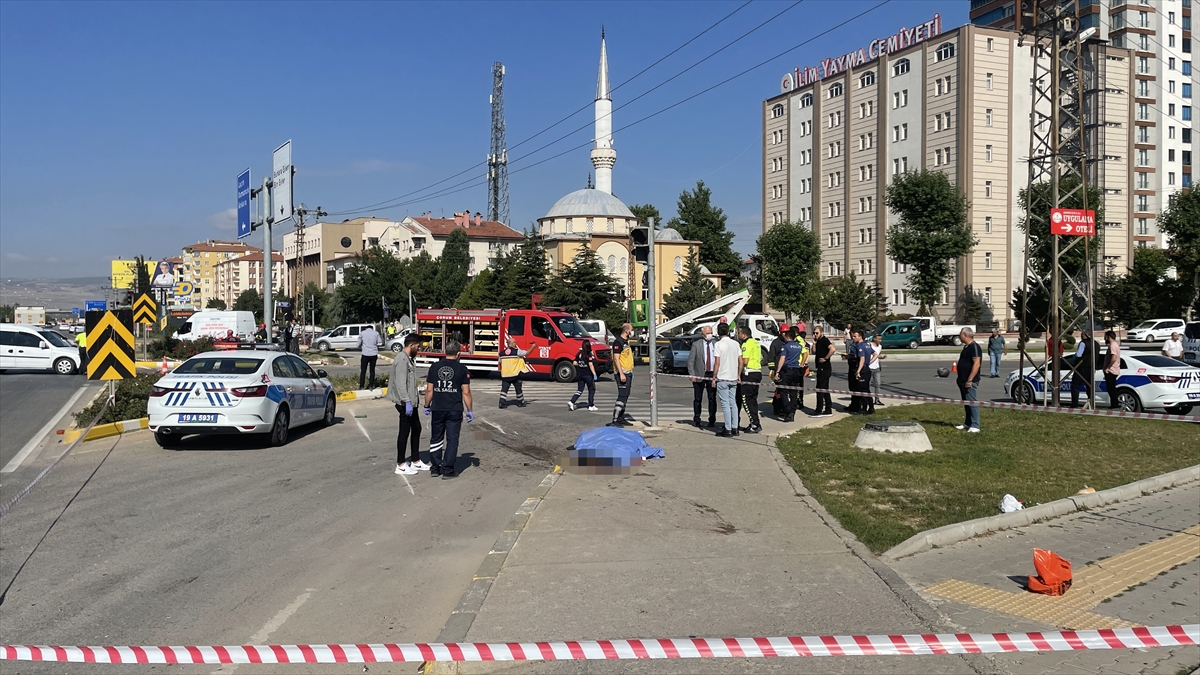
[(699, 220), (141, 283), (419, 274), (215, 303), (1181, 221), (583, 287), (453, 266), (480, 293), (1146, 292), (1041, 242), (789, 254), (645, 212), (846, 300), (692, 291), (526, 273), (375, 274), (250, 300), (932, 233), (8, 313), (320, 304)]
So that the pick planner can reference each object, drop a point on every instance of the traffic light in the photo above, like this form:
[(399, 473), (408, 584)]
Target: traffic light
[(312, 302), (641, 243)]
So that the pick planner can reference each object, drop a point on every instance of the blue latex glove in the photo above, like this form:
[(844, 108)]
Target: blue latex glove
[(426, 411), (408, 408), (470, 416)]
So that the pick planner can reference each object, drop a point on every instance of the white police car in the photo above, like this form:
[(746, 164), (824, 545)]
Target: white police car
[(239, 392), (1146, 381)]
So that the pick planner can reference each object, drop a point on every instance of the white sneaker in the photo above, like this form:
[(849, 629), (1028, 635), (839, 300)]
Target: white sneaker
[(405, 469), (570, 405), (973, 430), (961, 427), (593, 408), (420, 466)]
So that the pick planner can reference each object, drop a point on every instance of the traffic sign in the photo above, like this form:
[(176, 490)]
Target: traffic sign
[(145, 309), (95, 305), (110, 345), (183, 289), (1073, 222), (281, 182), (243, 206), (75, 311)]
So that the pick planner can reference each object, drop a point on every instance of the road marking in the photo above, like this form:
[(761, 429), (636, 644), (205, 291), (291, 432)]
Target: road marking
[(410, 490), (360, 426), (492, 424), (1090, 586), (26, 451), (271, 626)]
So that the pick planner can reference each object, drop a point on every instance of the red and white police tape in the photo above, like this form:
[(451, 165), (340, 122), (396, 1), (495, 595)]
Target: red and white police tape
[(598, 650), (1099, 412)]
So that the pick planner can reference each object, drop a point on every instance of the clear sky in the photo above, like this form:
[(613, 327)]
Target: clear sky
[(123, 126)]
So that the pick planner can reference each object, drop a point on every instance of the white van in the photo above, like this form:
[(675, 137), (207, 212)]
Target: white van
[(216, 324), (30, 348), (344, 336)]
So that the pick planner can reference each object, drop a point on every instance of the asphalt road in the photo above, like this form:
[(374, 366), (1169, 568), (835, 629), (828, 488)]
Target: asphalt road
[(28, 400)]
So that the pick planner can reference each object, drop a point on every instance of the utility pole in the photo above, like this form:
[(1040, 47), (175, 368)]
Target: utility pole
[(497, 159), (651, 314), (300, 213), (1064, 121)]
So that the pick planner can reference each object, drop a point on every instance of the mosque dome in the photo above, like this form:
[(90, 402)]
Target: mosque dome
[(668, 234), (590, 202)]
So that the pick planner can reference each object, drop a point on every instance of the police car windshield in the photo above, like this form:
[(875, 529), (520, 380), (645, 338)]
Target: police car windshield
[(570, 327), (55, 339), (219, 366)]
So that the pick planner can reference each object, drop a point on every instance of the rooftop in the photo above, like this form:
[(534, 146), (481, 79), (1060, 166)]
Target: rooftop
[(589, 202), (485, 229)]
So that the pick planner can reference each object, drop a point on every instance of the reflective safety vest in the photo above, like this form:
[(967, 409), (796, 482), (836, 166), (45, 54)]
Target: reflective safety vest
[(512, 362)]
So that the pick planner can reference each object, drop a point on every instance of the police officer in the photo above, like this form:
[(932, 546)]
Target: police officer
[(751, 377), (864, 404), (448, 391), (787, 373)]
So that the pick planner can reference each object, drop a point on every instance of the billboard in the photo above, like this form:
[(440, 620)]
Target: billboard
[(124, 273), (164, 275), (1073, 222)]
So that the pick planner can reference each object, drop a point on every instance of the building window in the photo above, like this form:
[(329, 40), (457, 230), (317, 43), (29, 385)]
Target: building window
[(1142, 203), (987, 225), (900, 99), (867, 79), (900, 67), (1144, 20), (988, 81), (937, 157), (1170, 64), (1187, 135), (1187, 90), (624, 265), (987, 153), (777, 110), (899, 165), (987, 117), (987, 261), (1170, 178), (570, 225), (1143, 180), (987, 296), (835, 90), (1187, 67), (805, 101), (1143, 88), (991, 44), (1143, 134), (678, 265), (1143, 227), (1171, 154), (611, 227), (1143, 157), (900, 132), (589, 225), (946, 51), (1187, 112), (987, 189)]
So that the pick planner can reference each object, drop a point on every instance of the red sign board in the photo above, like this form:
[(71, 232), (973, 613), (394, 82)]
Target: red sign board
[(1073, 222)]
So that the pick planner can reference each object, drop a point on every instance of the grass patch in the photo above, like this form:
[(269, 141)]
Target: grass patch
[(343, 383), (885, 498)]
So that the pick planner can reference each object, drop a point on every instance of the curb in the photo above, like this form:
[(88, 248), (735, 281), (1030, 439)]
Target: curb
[(362, 394), (106, 430), (950, 534)]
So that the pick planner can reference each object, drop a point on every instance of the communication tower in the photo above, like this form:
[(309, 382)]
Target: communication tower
[(497, 160)]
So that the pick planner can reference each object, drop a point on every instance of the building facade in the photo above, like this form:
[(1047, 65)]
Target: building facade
[(956, 102), (198, 265), (244, 273)]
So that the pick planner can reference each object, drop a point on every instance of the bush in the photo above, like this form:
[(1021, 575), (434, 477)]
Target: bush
[(130, 403), (344, 383), (179, 350)]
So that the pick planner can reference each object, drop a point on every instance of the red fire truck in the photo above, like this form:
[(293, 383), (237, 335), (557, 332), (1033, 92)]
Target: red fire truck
[(552, 337)]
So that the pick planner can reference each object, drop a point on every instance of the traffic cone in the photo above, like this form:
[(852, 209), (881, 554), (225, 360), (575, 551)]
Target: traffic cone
[(164, 366), (953, 367)]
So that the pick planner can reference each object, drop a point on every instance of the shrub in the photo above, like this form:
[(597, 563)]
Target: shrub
[(130, 403)]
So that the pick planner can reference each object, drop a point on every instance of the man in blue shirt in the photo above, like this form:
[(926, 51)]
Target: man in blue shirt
[(788, 374), (863, 404)]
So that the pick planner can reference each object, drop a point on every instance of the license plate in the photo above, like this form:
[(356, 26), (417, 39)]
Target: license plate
[(196, 418), (1193, 396)]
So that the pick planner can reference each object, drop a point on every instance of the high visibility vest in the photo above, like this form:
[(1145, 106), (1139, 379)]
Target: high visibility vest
[(512, 362)]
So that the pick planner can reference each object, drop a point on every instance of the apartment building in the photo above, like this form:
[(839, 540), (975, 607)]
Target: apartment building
[(957, 102), (244, 273), (1159, 33), (198, 265)]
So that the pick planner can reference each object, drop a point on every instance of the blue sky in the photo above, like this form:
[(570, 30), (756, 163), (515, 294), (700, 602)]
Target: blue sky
[(123, 126)]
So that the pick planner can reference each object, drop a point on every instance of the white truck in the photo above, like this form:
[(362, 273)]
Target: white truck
[(933, 332), (30, 316), (217, 324)]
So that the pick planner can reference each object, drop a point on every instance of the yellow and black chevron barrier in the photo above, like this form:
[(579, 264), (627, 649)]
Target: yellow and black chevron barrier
[(110, 345), (145, 309)]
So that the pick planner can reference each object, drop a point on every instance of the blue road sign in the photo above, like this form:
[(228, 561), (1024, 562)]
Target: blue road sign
[(96, 305), (75, 311), (243, 204)]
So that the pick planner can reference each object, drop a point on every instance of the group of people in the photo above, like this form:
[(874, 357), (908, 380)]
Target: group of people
[(447, 402), (728, 370)]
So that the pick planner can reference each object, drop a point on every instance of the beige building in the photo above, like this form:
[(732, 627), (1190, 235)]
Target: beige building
[(957, 102), (198, 265), (246, 273), (326, 247)]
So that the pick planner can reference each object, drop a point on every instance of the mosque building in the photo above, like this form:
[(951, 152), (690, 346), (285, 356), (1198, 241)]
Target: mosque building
[(595, 218)]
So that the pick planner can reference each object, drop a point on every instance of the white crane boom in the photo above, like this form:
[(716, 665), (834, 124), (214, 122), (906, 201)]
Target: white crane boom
[(736, 300)]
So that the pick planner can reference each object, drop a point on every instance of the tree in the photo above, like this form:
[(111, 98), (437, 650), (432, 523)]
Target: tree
[(1146, 292), (1181, 221), (789, 254), (692, 291), (141, 282), (525, 274), (584, 286), (1041, 242), (376, 274), (320, 298), (215, 303), (932, 233), (8, 313), (250, 300), (645, 212), (453, 267), (419, 275), (699, 220), (846, 300), (480, 293)]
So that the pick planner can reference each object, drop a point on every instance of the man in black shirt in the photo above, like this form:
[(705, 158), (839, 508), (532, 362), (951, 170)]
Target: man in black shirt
[(823, 351), (969, 365), (447, 392)]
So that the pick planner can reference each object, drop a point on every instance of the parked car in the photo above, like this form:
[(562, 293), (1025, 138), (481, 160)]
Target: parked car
[(899, 334), (1154, 330), (30, 348), (673, 357), (342, 337), (396, 342), (239, 392), (1146, 381), (1191, 343)]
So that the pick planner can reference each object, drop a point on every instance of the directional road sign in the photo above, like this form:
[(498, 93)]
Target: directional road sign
[(1073, 222), (243, 205), (110, 345), (281, 182), (145, 309), (75, 311), (95, 305)]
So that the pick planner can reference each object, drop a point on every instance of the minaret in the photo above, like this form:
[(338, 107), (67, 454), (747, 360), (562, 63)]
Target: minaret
[(603, 155)]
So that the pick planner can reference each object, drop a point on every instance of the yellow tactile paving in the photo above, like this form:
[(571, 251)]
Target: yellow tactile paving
[(1091, 585)]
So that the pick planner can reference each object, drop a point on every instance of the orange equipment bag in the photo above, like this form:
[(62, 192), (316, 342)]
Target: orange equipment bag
[(1053, 573)]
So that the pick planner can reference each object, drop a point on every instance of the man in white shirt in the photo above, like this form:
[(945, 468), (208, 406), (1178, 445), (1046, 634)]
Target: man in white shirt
[(369, 342), (1173, 348), (877, 347), (726, 372)]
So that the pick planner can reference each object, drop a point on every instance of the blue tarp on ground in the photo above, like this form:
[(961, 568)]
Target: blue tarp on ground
[(620, 445)]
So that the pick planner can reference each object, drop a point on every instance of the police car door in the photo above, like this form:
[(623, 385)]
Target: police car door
[(314, 389), (293, 387)]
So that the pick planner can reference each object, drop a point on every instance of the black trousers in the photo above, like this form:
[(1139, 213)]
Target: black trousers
[(824, 401), (866, 400), (1110, 385), (410, 431), (789, 380), (623, 390), (852, 382), (516, 383), (584, 379), (83, 360), (1079, 381), (443, 438), (366, 362), (747, 396), (698, 389)]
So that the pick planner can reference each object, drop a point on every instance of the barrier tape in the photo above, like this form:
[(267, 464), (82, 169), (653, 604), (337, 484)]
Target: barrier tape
[(1102, 412), (603, 650), (24, 491)]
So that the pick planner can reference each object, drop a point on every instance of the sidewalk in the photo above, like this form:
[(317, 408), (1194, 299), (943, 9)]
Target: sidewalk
[(717, 540)]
